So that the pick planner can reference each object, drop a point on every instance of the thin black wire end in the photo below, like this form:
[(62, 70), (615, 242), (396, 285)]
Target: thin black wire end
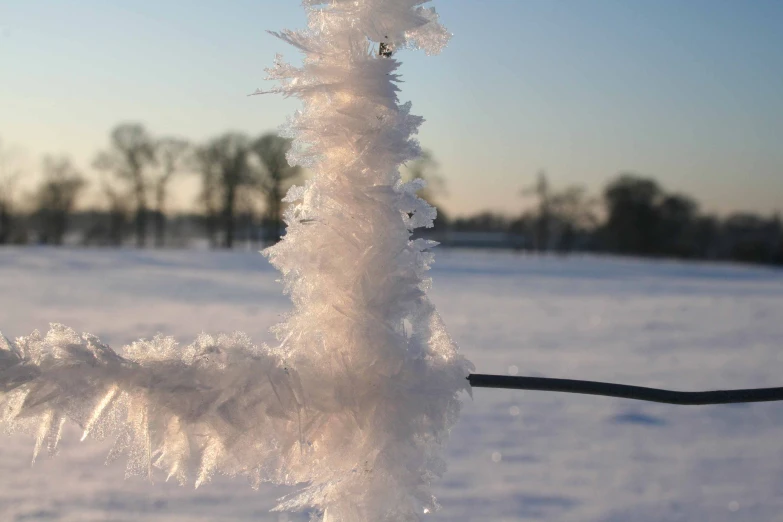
[(478, 380)]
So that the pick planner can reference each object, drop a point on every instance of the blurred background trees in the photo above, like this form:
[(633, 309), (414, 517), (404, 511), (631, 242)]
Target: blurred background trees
[(561, 220), (274, 178), (644, 220), (632, 215), (242, 180), (171, 157), (56, 198), (225, 169), (10, 175), (130, 155)]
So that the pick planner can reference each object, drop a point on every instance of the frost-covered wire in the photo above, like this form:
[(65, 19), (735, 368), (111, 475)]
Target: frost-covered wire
[(355, 401)]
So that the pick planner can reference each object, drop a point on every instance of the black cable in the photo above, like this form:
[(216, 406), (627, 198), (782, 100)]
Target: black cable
[(623, 391)]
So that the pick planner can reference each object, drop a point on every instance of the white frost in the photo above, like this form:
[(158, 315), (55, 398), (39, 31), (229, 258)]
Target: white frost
[(357, 399)]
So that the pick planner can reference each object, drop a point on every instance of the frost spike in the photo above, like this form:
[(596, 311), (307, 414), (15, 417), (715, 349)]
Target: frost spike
[(96, 413)]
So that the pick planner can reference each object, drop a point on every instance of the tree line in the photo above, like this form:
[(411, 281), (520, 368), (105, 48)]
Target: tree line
[(242, 180), (633, 215)]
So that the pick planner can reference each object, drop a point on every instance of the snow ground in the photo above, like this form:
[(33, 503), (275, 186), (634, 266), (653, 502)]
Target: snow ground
[(513, 455)]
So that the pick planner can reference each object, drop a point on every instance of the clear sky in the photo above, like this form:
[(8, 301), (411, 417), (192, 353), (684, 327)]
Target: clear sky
[(688, 91)]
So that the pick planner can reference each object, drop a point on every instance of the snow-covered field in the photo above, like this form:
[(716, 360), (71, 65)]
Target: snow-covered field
[(513, 455)]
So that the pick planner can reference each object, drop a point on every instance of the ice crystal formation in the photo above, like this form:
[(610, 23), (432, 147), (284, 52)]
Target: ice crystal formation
[(356, 400)]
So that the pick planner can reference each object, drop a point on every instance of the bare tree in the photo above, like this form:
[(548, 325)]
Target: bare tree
[(575, 206), (544, 215), (209, 196), (571, 216), (274, 178), (171, 155), (118, 213), (224, 167), (9, 177), (561, 216), (56, 198), (132, 152)]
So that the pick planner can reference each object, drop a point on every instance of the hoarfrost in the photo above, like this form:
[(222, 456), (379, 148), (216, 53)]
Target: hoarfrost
[(356, 400)]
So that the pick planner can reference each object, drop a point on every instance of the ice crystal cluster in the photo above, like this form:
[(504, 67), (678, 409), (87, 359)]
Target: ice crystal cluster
[(356, 400)]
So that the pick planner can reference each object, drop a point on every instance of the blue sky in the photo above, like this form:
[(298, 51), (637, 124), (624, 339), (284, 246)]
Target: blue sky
[(688, 91)]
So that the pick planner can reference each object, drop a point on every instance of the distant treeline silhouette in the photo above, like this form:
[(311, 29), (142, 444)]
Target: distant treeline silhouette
[(633, 216), (243, 179)]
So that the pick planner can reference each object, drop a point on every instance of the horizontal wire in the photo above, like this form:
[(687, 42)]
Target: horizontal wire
[(623, 391)]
